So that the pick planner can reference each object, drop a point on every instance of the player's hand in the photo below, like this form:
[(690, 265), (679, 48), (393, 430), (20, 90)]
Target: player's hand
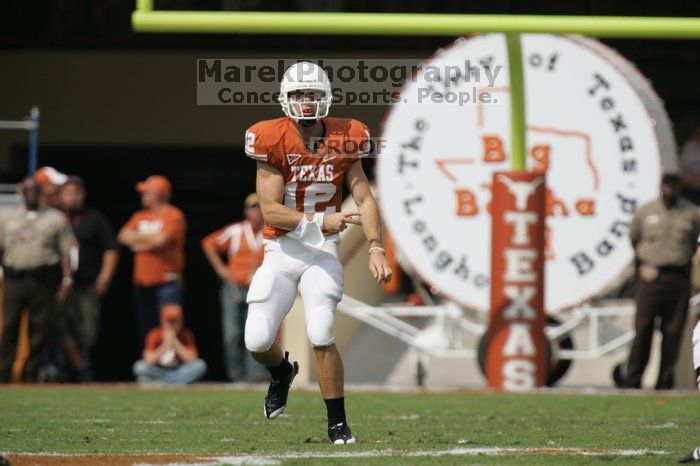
[(379, 267), (337, 222)]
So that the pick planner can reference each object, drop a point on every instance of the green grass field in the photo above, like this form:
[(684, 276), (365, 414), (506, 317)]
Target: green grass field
[(203, 420)]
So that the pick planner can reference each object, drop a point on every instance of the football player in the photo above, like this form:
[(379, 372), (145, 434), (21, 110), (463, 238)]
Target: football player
[(303, 159)]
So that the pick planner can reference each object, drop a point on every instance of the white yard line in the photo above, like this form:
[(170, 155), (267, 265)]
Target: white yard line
[(668, 425), (488, 451), (275, 459)]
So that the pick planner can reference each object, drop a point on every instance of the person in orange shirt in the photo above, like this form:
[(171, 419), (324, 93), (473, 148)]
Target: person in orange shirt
[(170, 354), (156, 235), (242, 243)]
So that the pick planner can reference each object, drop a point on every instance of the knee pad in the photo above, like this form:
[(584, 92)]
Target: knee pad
[(321, 290), (319, 323), (259, 336), (320, 337)]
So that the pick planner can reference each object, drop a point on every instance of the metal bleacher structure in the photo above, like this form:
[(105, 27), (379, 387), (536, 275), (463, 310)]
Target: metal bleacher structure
[(30, 124)]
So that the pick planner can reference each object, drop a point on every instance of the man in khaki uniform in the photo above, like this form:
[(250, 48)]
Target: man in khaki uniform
[(35, 241), (664, 233)]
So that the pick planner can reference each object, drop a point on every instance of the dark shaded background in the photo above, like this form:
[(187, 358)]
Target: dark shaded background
[(210, 183)]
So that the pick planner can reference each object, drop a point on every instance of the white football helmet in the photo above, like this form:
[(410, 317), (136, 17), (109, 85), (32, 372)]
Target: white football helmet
[(305, 76)]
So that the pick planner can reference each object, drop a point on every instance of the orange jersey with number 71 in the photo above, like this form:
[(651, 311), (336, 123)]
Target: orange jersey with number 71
[(313, 181)]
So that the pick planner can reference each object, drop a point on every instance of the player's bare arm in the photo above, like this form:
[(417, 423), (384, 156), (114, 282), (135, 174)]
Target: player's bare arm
[(371, 224), (269, 184)]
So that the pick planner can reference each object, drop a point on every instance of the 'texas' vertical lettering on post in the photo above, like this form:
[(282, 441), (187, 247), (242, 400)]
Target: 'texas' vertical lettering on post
[(517, 349)]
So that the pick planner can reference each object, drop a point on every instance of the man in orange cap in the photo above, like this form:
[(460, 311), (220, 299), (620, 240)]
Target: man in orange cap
[(170, 354), (156, 235)]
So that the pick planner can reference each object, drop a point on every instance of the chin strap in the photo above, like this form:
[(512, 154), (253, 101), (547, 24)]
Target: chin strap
[(308, 232)]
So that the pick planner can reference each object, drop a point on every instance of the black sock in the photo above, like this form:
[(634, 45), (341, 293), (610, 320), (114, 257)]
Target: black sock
[(336, 410), (281, 370)]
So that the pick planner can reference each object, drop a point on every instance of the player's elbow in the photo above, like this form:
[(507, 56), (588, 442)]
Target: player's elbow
[(273, 215), (268, 210), (367, 204)]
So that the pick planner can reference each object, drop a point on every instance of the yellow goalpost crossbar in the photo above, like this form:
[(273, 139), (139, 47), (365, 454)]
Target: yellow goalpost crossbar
[(145, 19)]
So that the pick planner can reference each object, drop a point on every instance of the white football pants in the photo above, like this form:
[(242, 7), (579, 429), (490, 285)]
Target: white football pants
[(289, 265)]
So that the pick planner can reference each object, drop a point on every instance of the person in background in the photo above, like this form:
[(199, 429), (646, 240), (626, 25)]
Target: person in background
[(242, 243), (170, 354), (36, 242), (98, 254), (664, 235), (156, 235), (50, 180), (690, 167)]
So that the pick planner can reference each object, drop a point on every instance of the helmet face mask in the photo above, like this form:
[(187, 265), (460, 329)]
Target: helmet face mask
[(305, 93), (311, 104)]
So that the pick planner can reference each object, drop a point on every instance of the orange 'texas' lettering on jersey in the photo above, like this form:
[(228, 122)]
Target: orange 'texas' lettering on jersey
[(320, 174), (313, 182)]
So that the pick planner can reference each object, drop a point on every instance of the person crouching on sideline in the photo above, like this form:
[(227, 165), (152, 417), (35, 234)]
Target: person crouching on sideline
[(170, 354)]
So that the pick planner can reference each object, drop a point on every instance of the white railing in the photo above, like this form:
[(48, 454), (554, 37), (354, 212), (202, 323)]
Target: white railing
[(444, 337)]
